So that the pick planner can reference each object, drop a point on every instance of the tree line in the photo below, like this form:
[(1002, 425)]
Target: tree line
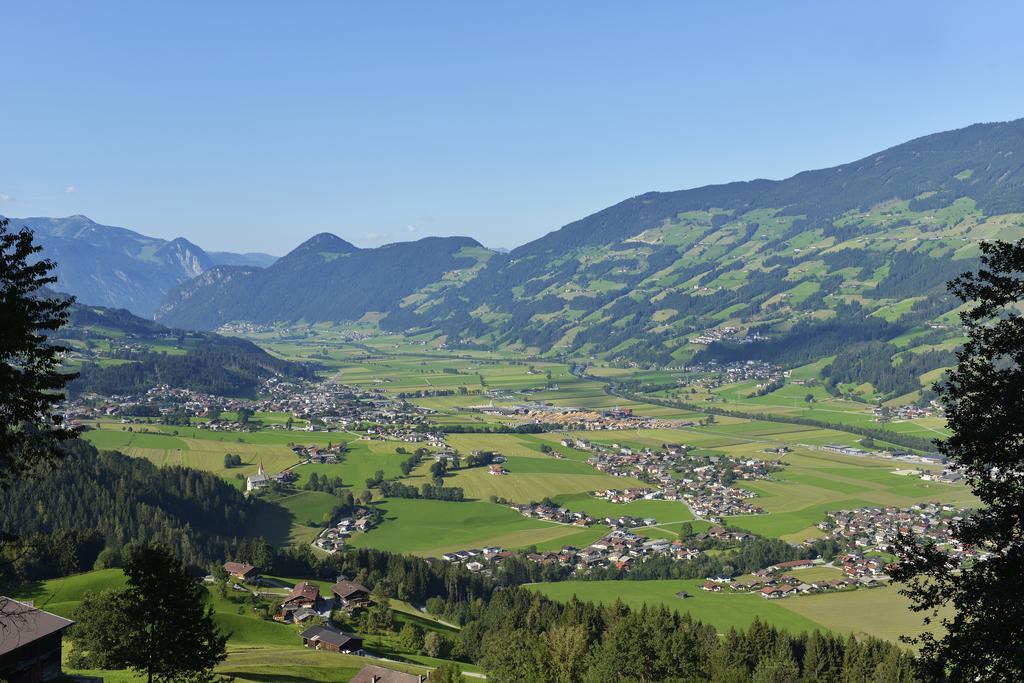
[(88, 501)]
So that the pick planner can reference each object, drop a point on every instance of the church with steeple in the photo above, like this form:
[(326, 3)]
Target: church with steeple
[(260, 480)]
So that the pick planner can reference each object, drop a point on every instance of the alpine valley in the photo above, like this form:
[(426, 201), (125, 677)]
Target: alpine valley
[(850, 261)]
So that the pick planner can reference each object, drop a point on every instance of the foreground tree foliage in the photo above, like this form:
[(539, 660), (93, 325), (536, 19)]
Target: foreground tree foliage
[(159, 625), (984, 400), (30, 384)]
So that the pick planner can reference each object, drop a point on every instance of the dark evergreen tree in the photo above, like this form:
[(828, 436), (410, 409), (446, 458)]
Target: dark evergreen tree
[(30, 381), (984, 401), (159, 625)]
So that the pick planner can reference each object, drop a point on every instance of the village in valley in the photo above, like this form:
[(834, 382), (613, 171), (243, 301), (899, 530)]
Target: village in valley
[(529, 476)]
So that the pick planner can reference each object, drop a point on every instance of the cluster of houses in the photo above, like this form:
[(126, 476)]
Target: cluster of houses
[(339, 406), (876, 528), (315, 407), (562, 515), (320, 455), (405, 434), (725, 334), (620, 549), (576, 419), (704, 483), (774, 582), (713, 375), (907, 412), (305, 603), (332, 539)]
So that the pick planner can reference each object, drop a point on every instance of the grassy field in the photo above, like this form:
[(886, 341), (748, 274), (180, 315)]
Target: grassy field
[(532, 479), (790, 401), (724, 611), (879, 612), (198, 449), (430, 528)]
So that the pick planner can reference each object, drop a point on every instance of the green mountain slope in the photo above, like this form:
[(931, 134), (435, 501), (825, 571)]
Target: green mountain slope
[(856, 253), (325, 278), (118, 353), (847, 262)]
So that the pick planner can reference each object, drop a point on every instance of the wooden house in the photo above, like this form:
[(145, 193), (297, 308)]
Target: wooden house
[(30, 643)]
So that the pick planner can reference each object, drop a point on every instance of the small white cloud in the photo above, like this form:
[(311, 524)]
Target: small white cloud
[(375, 236), (71, 189), (5, 198), (411, 228)]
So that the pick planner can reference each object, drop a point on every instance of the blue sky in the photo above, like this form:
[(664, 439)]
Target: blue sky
[(252, 125)]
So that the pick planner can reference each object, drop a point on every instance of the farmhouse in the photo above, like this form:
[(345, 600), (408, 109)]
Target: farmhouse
[(378, 674), (30, 643), (304, 594), (241, 570), (496, 469), (351, 594), (328, 638)]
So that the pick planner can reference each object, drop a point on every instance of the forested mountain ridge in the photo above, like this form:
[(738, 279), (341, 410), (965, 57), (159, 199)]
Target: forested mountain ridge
[(324, 278), (111, 266), (857, 253), (116, 352), (852, 258)]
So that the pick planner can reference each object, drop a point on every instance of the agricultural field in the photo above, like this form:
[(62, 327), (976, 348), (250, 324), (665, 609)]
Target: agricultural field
[(880, 612), (722, 610), (790, 401), (430, 528), (194, 448), (533, 479)]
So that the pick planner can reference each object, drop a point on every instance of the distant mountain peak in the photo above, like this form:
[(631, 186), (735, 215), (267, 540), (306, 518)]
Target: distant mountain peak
[(326, 241), (118, 267)]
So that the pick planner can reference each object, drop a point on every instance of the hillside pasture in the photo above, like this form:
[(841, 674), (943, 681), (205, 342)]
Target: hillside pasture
[(430, 528), (722, 610)]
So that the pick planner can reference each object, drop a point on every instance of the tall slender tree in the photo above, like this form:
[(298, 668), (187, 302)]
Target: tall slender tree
[(30, 379), (984, 402)]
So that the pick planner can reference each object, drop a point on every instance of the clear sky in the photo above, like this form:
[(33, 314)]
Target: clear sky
[(252, 125)]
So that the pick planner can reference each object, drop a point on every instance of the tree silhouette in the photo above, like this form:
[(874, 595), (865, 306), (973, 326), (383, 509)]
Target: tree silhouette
[(30, 383), (984, 401), (159, 625)]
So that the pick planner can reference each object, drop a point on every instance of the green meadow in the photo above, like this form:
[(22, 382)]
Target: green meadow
[(722, 610), (430, 528)]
